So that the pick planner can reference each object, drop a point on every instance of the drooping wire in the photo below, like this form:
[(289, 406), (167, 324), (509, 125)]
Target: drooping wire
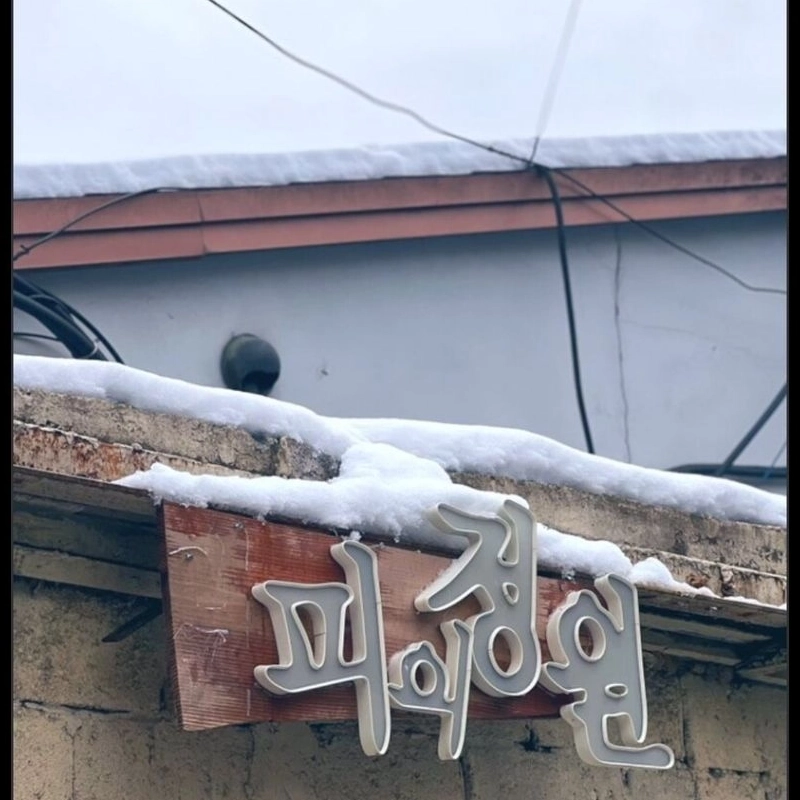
[(72, 337), (31, 335), (573, 335), (753, 432), (526, 162), (544, 112), (62, 320), (363, 93), (744, 473), (64, 309), (25, 249), (55, 314), (544, 115), (665, 239)]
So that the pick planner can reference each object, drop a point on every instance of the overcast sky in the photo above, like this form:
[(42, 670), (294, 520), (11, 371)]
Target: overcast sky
[(99, 80)]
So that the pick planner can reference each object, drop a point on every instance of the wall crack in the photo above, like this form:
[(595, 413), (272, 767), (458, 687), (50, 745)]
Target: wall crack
[(620, 355)]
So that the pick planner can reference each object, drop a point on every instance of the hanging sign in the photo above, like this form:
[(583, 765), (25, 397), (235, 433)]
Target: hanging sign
[(273, 622)]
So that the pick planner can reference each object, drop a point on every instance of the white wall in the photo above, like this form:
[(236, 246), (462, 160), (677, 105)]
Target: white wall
[(677, 360)]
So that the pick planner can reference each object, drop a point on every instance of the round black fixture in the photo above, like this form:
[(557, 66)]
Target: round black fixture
[(249, 364)]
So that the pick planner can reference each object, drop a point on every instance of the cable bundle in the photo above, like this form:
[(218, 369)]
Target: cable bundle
[(67, 325)]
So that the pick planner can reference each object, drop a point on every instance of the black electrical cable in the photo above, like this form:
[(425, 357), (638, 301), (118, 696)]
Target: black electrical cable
[(43, 306), (63, 308), (78, 344), (666, 240), (573, 336), (743, 472), (725, 466), (374, 99), (747, 472), (545, 172), (395, 107), (499, 151), (53, 311)]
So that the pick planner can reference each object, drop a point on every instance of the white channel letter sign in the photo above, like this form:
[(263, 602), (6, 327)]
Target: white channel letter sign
[(498, 569)]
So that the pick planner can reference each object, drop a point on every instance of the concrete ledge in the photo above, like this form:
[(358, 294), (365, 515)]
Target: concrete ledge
[(635, 525), (69, 435), (194, 440)]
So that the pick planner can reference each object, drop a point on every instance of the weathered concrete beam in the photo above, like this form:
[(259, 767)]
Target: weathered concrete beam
[(70, 453), (195, 440), (635, 525), (726, 580), (96, 438)]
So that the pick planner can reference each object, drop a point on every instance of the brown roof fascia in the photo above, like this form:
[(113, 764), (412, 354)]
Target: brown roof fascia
[(190, 223)]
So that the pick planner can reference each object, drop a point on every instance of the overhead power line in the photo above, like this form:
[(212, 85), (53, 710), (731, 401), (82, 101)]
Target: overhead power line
[(555, 74), (771, 468), (60, 317), (527, 162), (363, 93), (66, 323), (666, 240), (753, 432), (433, 127), (573, 334)]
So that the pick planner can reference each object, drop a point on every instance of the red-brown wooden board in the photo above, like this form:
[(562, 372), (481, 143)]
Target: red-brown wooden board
[(219, 633)]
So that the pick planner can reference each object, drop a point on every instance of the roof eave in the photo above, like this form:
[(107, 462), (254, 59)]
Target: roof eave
[(195, 222)]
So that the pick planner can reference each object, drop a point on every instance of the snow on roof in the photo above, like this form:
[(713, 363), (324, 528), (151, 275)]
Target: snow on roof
[(393, 471), (397, 161), (112, 97)]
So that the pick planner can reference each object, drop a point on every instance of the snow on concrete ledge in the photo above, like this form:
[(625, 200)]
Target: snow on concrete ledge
[(393, 472), (508, 452)]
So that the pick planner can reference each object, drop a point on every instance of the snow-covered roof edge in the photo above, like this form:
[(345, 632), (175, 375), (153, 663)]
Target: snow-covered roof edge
[(425, 159)]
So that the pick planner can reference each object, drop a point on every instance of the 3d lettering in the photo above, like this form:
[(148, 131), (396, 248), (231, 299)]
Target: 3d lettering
[(308, 665), (421, 681), (608, 679), (499, 569), (598, 654)]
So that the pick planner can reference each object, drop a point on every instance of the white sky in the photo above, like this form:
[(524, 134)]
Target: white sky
[(394, 471), (98, 81)]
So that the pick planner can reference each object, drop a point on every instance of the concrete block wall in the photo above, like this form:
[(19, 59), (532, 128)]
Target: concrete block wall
[(92, 721)]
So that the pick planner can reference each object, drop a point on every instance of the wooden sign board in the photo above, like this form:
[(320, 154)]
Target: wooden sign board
[(219, 633)]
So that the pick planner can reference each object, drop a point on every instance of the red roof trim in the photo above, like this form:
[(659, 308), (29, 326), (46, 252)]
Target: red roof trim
[(195, 222)]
